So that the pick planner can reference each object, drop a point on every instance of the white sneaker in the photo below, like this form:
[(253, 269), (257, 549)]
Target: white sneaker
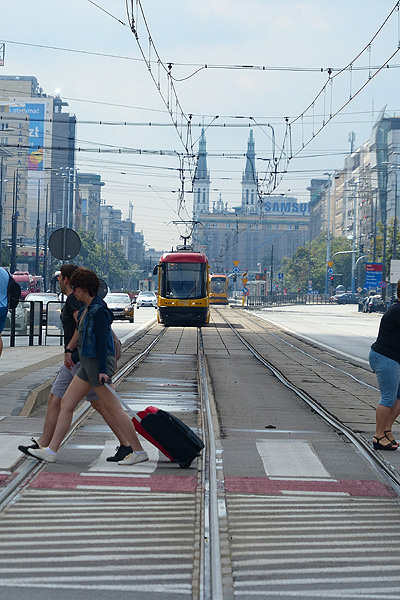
[(42, 454), (134, 458)]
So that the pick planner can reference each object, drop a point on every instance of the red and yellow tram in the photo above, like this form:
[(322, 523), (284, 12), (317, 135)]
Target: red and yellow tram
[(183, 288), (219, 286)]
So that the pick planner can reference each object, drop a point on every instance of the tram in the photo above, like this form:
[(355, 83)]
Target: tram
[(183, 288), (219, 286)]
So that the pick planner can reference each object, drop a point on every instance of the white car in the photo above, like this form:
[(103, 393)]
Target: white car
[(21, 319), (146, 299)]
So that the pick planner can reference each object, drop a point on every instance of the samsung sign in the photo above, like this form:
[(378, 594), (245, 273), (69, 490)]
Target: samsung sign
[(276, 205)]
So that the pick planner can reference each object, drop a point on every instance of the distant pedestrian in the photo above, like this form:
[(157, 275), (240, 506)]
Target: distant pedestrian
[(69, 315), (384, 359), (95, 345), (4, 279)]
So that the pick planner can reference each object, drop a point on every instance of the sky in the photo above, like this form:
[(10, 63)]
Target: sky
[(267, 60)]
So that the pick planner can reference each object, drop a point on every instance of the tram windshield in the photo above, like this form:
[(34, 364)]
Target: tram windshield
[(218, 285), (183, 280)]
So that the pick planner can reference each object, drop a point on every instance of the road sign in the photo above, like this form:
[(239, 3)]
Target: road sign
[(244, 281), (64, 243), (236, 262), (310, 282), (330, 271), (280, 275), (235, 270), (383, 284), (245, 291), (330, 263)]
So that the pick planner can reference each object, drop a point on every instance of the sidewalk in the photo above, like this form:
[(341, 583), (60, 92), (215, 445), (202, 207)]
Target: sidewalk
[(26, 374), (22, 369)]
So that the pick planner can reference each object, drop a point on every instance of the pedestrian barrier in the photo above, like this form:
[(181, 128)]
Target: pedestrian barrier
[(35, 320)]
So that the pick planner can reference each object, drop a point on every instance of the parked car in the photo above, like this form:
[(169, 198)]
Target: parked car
[(347, 298), (146, 299), (375, 304), (44, 297), (21, 319), (121, 306)]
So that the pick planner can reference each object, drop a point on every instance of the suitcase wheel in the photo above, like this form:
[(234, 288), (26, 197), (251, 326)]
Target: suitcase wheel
[(185, 465)]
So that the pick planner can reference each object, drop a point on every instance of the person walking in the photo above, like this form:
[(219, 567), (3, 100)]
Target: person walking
[(95, 344), (384, 359), (69, 316), (4, 279)]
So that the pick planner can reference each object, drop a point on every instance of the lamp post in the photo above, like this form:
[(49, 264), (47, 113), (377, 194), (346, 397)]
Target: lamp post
[(37, 231), (328, 237), (353, 256), (14, 223)]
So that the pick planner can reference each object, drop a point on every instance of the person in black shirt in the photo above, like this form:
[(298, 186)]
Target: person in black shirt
[(384, 359), (69, 315)]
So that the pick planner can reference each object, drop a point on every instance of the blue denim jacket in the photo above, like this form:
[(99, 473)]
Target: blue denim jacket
[(98, 343)]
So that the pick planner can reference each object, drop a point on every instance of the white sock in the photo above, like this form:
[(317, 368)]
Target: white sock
[(139, 451), (50, 451)]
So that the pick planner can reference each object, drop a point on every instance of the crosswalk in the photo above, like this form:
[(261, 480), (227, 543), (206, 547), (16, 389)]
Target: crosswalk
[(105, 540)]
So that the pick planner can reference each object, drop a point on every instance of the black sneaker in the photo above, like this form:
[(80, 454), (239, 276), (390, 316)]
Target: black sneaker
[(122, 451), (25, 449)]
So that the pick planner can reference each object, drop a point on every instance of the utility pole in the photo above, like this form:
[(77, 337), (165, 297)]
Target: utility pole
[(14, 223), (1, 205), (37, 231), (328, 237)]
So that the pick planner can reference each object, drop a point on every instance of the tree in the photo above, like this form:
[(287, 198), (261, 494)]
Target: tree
[(108, 262)]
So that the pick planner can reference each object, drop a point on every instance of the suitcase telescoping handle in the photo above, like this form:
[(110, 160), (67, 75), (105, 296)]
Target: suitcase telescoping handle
[(124, 404)]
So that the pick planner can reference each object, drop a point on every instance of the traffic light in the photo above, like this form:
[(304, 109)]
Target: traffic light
[(331, 279), (361, 248), (234, 278)]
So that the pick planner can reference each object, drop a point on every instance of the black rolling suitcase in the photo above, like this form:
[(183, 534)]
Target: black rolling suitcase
[(165, 431)]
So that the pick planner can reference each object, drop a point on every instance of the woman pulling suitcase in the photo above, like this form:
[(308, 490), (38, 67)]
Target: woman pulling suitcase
[(95, 344)]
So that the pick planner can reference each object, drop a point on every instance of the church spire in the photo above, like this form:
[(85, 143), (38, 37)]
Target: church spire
[(201, 182), (249, 179)]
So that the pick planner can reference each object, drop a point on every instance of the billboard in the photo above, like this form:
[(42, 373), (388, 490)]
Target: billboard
[(36, 113)]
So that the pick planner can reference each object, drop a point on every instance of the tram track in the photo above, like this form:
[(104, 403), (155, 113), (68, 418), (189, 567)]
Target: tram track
[(211, 513), (375, 459)]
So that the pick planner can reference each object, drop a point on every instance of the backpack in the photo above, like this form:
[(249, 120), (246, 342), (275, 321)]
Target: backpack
[(13, 292), (117, 346)]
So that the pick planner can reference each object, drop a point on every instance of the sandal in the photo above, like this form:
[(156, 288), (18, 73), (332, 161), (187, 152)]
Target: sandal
[(378, 446), (393, 441)]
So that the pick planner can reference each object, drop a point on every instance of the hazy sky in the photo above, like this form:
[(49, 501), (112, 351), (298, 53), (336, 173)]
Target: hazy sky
[(290, 44)]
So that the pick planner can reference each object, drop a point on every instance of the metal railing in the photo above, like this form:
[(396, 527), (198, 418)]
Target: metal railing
[(35, 320)]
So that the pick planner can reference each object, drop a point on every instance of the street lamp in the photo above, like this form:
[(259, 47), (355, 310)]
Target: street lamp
[(328, 238)]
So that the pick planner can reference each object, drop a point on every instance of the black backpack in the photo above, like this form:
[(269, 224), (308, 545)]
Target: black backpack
[(13, 292)]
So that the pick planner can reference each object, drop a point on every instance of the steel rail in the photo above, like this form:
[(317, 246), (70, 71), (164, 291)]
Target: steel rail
[(210, 559), (379, 464), (31, 468)]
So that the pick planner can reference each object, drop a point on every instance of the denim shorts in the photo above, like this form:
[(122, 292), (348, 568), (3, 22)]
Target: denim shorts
[(387, 372)]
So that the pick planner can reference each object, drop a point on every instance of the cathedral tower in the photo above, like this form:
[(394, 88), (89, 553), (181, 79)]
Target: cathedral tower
[(201, 183), (249, 179)]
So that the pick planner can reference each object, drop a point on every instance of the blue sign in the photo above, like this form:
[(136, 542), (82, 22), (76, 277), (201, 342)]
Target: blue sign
[(383, 284), (280, 275), (330, 271), (236, 270), (245, 290)]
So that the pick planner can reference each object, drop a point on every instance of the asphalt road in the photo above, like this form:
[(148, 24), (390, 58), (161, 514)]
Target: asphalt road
[(338, 327)]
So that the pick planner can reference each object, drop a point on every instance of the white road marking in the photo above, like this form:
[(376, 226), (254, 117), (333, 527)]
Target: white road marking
[(290, 458)]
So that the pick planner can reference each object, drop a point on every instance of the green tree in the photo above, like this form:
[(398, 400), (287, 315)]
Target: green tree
[(108, 262)]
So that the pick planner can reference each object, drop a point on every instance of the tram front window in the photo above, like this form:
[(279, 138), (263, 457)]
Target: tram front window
[(218, 286), (183, 280)]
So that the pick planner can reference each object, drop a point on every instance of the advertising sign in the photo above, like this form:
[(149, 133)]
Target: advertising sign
[(36, 113)]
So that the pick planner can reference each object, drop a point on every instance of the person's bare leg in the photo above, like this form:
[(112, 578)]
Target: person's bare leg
[(111, 422), (122, 419), (77, 390), (50, 421)]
